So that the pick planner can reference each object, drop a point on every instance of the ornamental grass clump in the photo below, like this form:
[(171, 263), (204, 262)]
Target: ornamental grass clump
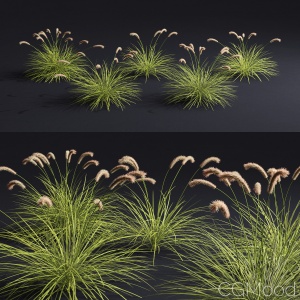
[(105, 85), (60, 243), (157, 220), (198, 83), (149, 60), (251, 255), (245, 59), (54, 58)]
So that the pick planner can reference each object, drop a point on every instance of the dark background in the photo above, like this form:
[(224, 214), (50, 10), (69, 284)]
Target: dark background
[(269, 106)]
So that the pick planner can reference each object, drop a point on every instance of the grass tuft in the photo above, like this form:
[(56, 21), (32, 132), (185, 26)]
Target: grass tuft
[(198, 84), (106, 86), (162, 219), (249, 61), (148, 60), (54, 59), (253, 256), (69, 248)]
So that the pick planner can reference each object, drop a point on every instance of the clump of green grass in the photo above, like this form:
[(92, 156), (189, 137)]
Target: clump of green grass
[(252, 256), (54, 58), (244, 60), (198, 84), (104, 86), (157, 221), (149, 60), (61, 242)]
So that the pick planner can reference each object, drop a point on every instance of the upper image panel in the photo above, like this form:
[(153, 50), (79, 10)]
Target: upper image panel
[(150, 66)]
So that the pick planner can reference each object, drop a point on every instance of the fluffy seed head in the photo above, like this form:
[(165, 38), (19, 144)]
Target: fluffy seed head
[(158, 33), (71, 152), (14, 183), (65, 33), (118, 50), (81, 54), (67, 154), (251, 35), (188, 159), (69, 39), (140, 174), (256, 167), (91, 163), (192, 46), (235, 176), (83, 155), (83, 42), (51, 155), (6, 169), (173, 33), (234, 33), (219, 205), (182, 45), (257, 189), (24, 43), (98, 66), (176, 160), (116, 60), (42, 157), (128, 160), (212, 40), (146, 179), (40, 38), (102, 173), (201, 49), (63, 61), (45, 201), (135, 35), (60, 76), (98, 46), (119, 167), (196, 182), (275, 40), (211, 171), (224, 50), (121, 180), (182, 61), (99, 203), (209, 160)]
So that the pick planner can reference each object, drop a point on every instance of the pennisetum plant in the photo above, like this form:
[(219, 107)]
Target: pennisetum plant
[(54, 58), (149, 60), (60, 243), (253, 255), (105, 85), (157, 221), (244, 59), (198, 83)]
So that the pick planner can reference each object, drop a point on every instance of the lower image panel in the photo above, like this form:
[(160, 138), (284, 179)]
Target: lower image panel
[(128, 216)]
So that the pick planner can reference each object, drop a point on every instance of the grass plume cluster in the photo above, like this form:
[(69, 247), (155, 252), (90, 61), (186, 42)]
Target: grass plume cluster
[(149, 60), (198, 84), (61, 241), (54, 58), (253, 255), (104, 86), (247, 60), (160, 219), (195, 82)]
